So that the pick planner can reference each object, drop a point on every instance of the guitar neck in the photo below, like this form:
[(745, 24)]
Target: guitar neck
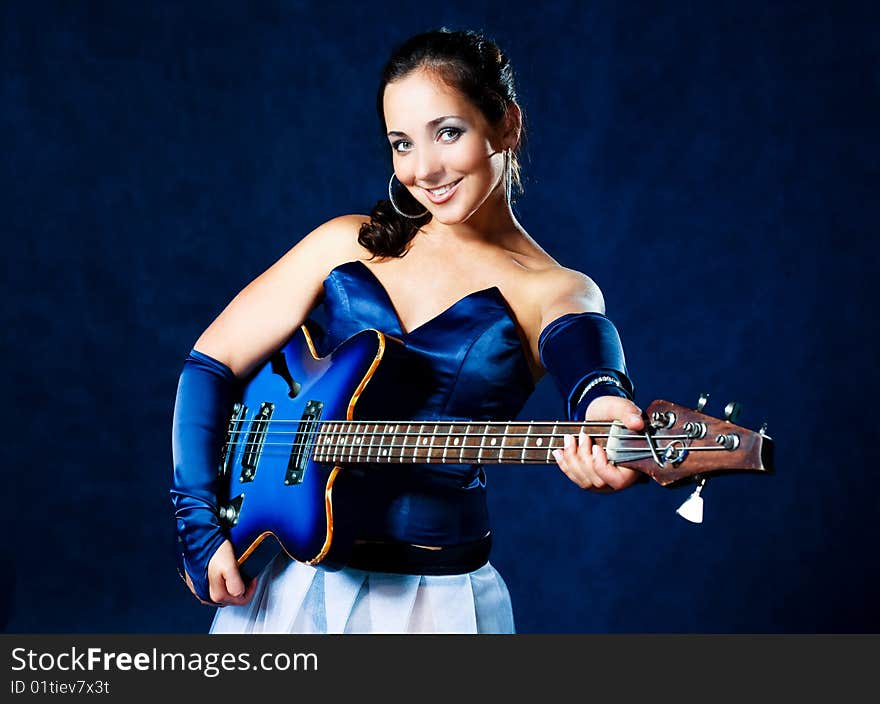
[(453, 443)]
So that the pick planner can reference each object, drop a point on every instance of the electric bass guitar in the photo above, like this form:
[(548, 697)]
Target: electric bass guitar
[(293, 435)]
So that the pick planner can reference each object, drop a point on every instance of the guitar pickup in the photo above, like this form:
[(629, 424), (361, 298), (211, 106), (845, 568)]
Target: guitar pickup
[(256, 438), (233, 432), (306, 431)]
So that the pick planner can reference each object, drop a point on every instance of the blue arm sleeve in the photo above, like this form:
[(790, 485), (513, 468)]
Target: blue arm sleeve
[(205, 393), (575, 349)]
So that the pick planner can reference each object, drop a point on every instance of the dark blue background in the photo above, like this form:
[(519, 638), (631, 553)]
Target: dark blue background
[(713, 166)]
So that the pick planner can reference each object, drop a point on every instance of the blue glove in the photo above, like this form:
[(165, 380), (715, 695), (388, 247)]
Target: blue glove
[(576, 349), (205, 394)]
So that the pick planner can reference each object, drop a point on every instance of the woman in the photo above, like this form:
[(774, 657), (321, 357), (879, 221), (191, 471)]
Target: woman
[(445, 266)]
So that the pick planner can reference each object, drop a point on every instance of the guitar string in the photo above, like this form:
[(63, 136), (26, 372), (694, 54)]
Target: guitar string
[(325, 433), (335, 436), (537, 423), (456, 448), (335, 449)]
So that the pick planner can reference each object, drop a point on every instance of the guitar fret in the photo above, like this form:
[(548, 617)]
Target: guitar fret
[(446, 444), (526, 442), (352, 441), (433, 438), (403, 444), (550, 443), (373, 432), (482, 440), (503, 437), (493, 442), (361, 440), (386, 442), (464, 443), (418, 442)]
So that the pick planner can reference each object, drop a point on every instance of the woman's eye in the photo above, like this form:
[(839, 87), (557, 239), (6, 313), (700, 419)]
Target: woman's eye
[(453, 133), (396, 146)]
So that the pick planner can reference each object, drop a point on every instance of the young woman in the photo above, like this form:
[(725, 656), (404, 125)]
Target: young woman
[(445, 266)]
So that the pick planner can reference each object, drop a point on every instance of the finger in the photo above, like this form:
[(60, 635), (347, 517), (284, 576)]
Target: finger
[(585, 461), (234, 583), (588, 448), (580, 461), (585, 443), (565, 464), (613, 476), (244, 597), (629, 476), (616, 408)]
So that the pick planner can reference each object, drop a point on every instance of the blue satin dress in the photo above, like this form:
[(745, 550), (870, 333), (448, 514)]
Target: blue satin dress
[(468, 364), (472, 366)]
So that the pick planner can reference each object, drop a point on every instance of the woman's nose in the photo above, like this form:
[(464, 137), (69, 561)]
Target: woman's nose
[(428, 167)]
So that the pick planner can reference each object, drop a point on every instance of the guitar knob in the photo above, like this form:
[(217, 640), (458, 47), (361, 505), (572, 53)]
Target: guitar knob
[(228, 514), (701, 403), (732, 411), (662, 419)]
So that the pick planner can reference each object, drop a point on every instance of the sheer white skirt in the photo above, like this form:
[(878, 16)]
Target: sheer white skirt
[(292, 597)]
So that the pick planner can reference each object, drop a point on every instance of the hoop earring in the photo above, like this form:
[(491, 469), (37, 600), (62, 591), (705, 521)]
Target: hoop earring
[(394, 205), (508, 174)]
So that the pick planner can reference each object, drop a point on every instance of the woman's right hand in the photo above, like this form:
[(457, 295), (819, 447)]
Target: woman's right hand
[(224, 580)]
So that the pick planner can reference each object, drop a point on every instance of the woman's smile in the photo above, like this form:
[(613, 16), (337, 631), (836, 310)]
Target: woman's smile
[(443, 193)]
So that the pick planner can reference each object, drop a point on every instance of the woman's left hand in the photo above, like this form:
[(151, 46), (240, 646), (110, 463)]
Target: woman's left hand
[(585, 462)]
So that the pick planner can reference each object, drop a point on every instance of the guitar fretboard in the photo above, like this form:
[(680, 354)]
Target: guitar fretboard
[(453, 443)]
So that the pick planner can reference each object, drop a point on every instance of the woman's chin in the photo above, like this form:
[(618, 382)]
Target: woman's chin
[(449, 216)]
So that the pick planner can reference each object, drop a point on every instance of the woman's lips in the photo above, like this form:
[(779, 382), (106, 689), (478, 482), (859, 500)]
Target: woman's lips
[(442, 198)]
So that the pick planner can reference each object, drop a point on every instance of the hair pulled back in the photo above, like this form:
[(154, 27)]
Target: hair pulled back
[(479, 70)]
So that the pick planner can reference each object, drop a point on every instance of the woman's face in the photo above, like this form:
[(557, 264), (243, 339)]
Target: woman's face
[(444, 151)]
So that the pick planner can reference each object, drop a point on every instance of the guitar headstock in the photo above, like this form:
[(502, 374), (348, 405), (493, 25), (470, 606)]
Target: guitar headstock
[(682, 443)]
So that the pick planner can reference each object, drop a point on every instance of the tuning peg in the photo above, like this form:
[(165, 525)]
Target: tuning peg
[(732, 411), (701, 403), (763, 429), (692, 509)]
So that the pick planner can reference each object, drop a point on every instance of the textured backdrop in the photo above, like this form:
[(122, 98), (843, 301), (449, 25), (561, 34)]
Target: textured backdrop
[(713, 166)]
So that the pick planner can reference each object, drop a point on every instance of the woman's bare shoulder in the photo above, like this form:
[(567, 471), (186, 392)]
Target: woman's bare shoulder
[(335, 241), (266, 312), (555, 290)]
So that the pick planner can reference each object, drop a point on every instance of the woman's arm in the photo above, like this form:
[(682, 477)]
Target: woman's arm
[(264, 315), (570, 293)]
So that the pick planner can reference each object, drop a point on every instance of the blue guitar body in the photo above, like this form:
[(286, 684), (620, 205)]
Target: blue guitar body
[(271, 487)]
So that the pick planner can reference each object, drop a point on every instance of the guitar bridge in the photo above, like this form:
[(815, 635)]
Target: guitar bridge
[(305, 434)]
